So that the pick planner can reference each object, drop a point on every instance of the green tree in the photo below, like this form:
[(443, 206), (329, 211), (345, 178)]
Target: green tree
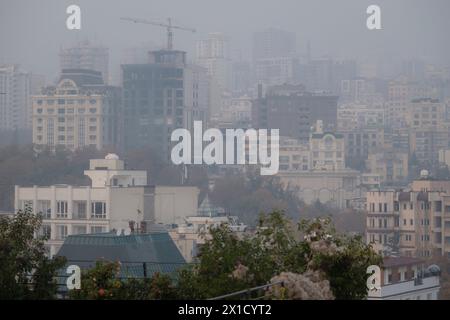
[(228, 263), (104, 282), (25, 270)]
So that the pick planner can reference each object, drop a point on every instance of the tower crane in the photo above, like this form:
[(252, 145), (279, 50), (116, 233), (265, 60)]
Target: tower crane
[(167, 25)]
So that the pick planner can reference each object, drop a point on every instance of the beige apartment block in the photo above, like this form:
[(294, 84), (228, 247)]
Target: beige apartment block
[(413, 222), (74, 115)]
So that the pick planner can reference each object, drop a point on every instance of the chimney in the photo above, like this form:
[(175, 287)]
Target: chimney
[(131, 225), (143, 227), (260, 91)]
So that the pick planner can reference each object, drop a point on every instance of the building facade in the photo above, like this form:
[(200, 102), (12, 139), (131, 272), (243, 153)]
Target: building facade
[(161, 96), (294, 111), (15, 105), (406, 278), (413, 223), (86, 55), (115, 197), (79, 111)]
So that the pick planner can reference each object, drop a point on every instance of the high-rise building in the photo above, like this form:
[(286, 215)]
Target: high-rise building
[(161, 96), (272, 43), (79, 111), (213, 55), (275, 71), (241, 77), (86, 56), (326, 74), (294, 111), (15, 106)]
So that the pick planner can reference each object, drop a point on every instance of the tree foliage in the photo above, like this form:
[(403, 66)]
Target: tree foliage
[(25, 270), (103, 282)]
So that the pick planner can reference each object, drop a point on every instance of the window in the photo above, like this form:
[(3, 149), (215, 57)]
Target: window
[(411, 221), (79, 229), (45, 231), (61, 209), (80, 209), (44, 208), (98, 210), (97, 229), (61, 232)]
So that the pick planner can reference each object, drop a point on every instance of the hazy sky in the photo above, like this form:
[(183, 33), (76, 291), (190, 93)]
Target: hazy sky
[(32, 31)]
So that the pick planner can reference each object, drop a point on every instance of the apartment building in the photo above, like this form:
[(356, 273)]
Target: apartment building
[(413, 222), (85, 55), (355, 116), (15, 110), (294, 155), (359, 143), (327, 149), (161, 96), (390, 164), (407, 278), (79, 111), (294, 111), (115, 197)]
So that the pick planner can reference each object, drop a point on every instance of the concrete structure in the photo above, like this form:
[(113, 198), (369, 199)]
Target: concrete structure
[(79, 111), (272, 43), (413, 222), (327, 149), (213, 54), (115, 197), (359, 143), (405, 278), (161, 96), (444, 157), (360, 91), (390, 164), (357, 116), (335, 188), (400, 93), (85, 55), (275, 71), (294, 155), (235, 112), (15, 106), (294, 111)]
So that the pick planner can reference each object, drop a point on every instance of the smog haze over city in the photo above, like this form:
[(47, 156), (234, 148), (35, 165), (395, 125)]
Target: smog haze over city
[(243, 150)]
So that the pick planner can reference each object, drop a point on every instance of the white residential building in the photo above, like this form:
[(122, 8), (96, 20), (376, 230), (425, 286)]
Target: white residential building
[(115, 198), (405, 278)]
